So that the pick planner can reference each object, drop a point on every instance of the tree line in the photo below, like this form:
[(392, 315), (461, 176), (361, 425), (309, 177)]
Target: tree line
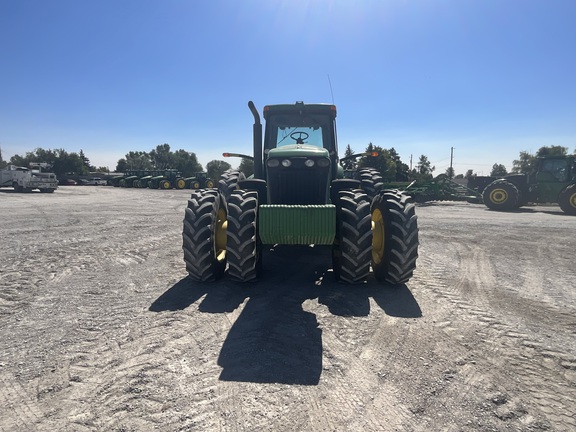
[(386, 161)]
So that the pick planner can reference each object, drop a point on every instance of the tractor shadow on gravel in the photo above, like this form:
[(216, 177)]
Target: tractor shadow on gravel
[(274, 339)]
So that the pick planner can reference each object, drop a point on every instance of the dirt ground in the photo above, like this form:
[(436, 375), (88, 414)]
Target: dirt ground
[(102, 331)]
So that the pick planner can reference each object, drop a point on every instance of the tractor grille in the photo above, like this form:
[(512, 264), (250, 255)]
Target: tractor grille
[(298, 184)]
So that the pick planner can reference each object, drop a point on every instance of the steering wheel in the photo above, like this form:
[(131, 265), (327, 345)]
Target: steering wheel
[(301, 137)]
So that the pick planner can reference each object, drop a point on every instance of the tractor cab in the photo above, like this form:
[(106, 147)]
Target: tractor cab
[(551, 176), (299, 153)]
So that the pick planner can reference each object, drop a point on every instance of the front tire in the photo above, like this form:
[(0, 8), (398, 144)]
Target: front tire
[(165, 184), (351, 251), (204, 235), (501, 195), (567, 200), (242, 245), (395, 237)]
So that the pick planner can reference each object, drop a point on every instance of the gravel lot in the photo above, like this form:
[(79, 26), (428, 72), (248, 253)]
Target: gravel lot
[(102, 331)]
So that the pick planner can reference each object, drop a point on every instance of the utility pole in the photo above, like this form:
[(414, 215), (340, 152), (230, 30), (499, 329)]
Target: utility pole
[(451, 159)]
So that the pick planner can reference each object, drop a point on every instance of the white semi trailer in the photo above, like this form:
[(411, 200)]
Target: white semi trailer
[(26, 180)]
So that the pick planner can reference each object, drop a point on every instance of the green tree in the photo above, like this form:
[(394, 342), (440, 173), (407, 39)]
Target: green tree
[(524, 164), (402, 169), (86, 161), (121, 166), (247, 167), (185, 162), (349, 164), (450, 172), (2, 163), (424, 168), (68, 164), (215, 168), (136, 160), (552, 151), (63, 163), (469, 174), (383, 162), (498, 170), (162, 157)]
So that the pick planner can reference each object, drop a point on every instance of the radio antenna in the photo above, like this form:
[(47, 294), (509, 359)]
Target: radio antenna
[(331, 92)]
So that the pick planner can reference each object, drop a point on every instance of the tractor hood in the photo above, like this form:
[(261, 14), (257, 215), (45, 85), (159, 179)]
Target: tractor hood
[(298, 150)]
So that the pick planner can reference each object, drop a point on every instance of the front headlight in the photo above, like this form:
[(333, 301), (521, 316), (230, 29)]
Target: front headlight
[(286, 163), (309, 163), (273, 163), (323, 162)]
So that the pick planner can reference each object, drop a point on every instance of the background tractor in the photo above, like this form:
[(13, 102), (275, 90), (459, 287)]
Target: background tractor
[(552, 181), (168, 179), (198, 181), (298, 196)]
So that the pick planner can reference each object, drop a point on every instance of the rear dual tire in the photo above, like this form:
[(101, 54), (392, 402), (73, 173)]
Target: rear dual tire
[(243, 248), (229, 181), (351, 251), (395, 237), (204, 235)]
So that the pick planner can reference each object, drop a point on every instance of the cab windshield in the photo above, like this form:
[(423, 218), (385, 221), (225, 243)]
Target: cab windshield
[(299, 135), (289, 129)]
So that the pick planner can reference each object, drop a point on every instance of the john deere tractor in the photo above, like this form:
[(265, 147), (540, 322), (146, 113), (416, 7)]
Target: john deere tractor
[(552, 181), (167, 179), (198, 181), (298, 196)]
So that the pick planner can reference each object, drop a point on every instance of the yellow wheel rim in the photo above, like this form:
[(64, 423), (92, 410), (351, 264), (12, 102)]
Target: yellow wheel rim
[(220, 234), (498, 196), (196, 185), (572, 200), (181, 184), (378, 240), (209, 184), (166, 185)]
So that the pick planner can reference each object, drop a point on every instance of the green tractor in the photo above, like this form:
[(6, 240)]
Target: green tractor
[(128, 182), (142, 182), (200, 180), (552, 181), (298, 196), (168, 179)]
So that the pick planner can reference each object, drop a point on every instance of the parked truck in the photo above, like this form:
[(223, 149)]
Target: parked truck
[(24, 179)]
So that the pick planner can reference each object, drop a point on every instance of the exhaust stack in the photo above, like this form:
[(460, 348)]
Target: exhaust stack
[(257, 133)]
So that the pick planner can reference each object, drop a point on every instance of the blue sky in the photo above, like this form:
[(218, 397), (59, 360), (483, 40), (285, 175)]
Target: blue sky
[(489, 78)]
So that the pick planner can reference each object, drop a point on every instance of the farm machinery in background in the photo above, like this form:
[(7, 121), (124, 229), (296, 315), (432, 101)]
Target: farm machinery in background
[(198, 181), (161, 179), (27, 179), (440, 188), (298, 195), (552, 181)]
